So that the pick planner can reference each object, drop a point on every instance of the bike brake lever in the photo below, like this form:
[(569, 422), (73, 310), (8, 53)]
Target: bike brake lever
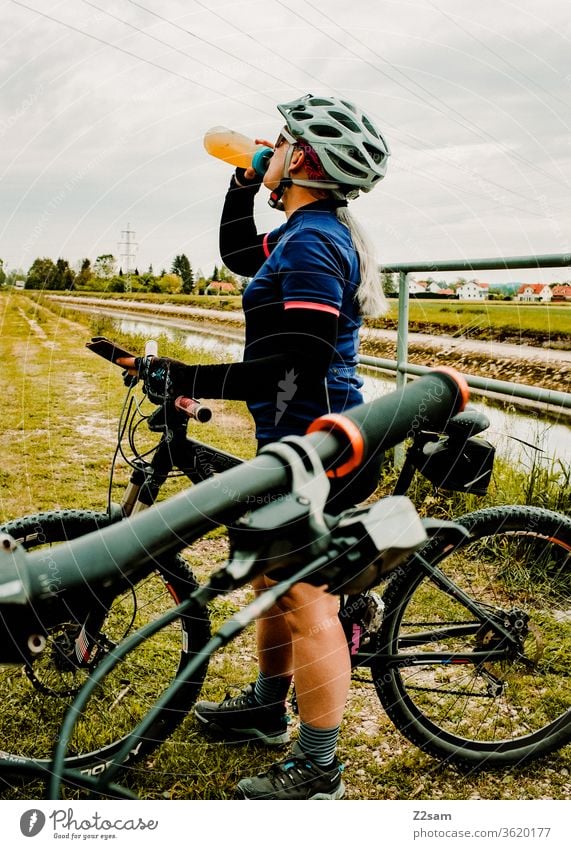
[(130, 380)]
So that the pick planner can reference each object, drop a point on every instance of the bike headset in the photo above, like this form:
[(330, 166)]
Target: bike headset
[(351, 151)]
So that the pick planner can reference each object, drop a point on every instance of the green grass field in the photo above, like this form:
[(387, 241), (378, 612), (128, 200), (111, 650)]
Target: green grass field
[(60, 410), (500, 320)]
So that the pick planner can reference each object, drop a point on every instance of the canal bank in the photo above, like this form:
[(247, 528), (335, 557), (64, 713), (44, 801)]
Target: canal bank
[(526, 436)]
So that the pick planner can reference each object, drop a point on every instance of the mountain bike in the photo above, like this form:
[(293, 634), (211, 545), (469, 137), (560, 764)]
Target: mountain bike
[(452, 643)]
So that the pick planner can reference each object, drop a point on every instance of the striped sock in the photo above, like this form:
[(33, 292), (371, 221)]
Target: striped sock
[(319, 744), (271, 689)]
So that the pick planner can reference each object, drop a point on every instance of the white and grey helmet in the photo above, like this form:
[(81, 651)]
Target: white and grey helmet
[(352, 151)]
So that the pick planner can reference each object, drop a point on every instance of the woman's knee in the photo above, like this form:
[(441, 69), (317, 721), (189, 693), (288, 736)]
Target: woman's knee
[(304, 606)]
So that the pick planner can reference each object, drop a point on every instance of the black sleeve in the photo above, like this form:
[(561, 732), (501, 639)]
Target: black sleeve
[(308, 344), (241, 247)]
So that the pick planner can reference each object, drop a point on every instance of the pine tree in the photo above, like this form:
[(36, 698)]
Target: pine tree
[(183, 268)]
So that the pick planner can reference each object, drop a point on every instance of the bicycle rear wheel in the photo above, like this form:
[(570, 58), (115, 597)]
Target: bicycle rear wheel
[(489, 714), (36, 696)]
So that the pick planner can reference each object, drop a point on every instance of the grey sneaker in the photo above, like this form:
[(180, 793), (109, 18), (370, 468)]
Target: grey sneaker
[(241, 718), (296, 777)]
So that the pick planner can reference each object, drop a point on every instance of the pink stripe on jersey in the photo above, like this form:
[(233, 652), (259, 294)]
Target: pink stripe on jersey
[(265, 245), (310, 305)]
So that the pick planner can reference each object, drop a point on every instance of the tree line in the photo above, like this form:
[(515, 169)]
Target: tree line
[(104, 274)]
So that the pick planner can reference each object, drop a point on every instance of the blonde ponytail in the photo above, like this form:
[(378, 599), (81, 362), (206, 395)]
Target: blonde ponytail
[(372, 301)]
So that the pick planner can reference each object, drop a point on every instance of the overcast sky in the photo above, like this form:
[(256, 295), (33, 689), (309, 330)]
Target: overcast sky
[(103, 106)]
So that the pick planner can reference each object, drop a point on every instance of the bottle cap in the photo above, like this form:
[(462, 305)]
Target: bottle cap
[(261, 160)]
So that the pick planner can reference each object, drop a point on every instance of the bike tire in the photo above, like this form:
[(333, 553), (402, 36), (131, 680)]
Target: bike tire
[(36, 696), (499, 714)]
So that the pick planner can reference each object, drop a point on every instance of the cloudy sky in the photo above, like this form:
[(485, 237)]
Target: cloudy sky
[(103, 106)]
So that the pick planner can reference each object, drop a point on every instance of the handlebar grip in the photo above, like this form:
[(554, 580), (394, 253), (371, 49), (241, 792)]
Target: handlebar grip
[(426, 403), (193, 409)]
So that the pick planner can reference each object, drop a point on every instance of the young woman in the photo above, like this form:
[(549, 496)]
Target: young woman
[(313, 279)]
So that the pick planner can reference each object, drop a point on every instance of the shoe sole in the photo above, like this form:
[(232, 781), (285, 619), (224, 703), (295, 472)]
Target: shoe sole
[(241, 735)]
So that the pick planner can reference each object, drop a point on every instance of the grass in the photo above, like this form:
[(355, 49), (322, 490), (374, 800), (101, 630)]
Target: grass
[(61, 406), (498, 320)]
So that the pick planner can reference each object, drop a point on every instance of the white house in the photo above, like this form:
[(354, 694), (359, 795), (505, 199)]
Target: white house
[(534, 292), (415, 288), (472, 291)]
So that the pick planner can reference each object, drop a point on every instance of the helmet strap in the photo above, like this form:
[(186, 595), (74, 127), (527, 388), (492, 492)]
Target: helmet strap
[(275, 199)]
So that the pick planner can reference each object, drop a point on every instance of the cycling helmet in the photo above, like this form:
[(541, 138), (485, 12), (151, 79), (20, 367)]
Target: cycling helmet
[(352, 151)]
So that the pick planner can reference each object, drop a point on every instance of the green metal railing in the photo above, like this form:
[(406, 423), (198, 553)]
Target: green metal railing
[(402, 367)]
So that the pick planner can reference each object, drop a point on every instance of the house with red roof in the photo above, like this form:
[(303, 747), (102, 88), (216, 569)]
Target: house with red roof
[(534, 292), (220, 287), (561, 292)]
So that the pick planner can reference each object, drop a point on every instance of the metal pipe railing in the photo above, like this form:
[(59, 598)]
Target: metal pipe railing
[(490, 264), (487, 264), (553, 397)]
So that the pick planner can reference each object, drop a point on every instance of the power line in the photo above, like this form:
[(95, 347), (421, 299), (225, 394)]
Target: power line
[(135, 55), (249, 36), (483, 44), (167, 44), (469, 125), (321, 82), (205, 40)]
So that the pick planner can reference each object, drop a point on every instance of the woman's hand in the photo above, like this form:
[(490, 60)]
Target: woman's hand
[(249, 174), (155, 372)]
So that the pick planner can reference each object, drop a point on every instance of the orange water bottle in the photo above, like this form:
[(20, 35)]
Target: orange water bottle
[(237, 150)]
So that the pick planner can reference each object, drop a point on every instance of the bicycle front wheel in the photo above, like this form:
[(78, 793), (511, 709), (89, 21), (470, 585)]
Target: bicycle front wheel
[(36, 696), (474, 713)]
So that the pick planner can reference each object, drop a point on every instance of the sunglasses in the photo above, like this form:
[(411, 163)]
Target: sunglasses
[(284, 136)]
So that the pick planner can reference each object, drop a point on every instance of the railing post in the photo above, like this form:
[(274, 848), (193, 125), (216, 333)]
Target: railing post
[(402, 349)]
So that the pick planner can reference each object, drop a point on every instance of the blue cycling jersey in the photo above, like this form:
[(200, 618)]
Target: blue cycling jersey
[(312, 265)]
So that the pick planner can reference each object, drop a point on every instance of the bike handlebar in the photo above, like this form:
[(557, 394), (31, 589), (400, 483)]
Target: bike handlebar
[(110, 351), (428, 402), (190, 406), (130, 547), (193, 408)]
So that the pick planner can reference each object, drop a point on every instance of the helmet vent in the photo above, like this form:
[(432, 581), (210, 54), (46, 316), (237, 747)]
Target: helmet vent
[(374, 152), (350, 106), (347, 168), (301, 114), (346, 121), (373, 131), (326, 132)]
